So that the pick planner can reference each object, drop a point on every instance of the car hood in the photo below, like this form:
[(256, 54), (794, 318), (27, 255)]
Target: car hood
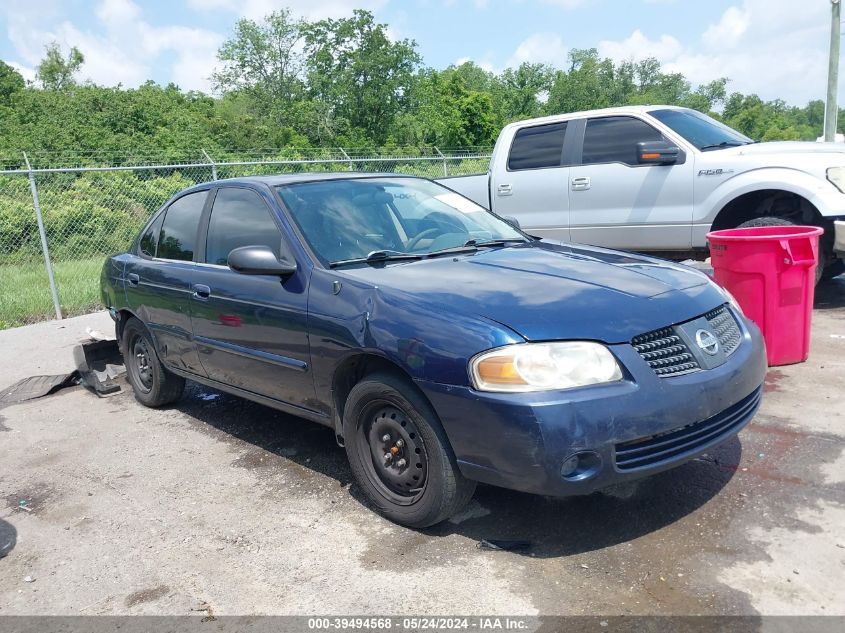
[(548, 291), (786, 147)]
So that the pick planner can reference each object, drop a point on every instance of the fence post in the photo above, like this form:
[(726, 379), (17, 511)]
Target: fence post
[(445, 169), (346, 156), (43, 235), (213, 165)]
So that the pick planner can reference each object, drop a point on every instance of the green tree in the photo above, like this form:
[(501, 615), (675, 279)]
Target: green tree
[(56, 72), (11, 82), (360, 74), (264, 57)]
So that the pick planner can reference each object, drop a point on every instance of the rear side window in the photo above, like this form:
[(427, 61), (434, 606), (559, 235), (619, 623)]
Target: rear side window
[(149, 240), (537, 147), (239, 217), (614, 139), (178, 236)]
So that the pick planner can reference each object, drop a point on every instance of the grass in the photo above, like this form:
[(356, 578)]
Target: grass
[(25, 290)]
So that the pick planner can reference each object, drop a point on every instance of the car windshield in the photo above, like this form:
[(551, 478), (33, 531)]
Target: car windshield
[(373, 219), (700, 130)]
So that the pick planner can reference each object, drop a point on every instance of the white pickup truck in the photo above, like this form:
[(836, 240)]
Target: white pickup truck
[(657, 179)]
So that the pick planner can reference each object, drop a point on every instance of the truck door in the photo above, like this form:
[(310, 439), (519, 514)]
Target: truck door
[(616, 202), (533, 184)]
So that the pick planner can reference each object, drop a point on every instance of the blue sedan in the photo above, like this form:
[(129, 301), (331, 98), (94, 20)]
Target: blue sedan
[(442, 344)]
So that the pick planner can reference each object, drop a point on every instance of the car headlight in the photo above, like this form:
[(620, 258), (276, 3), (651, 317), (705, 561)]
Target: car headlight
[(836, 176), (544, 366)]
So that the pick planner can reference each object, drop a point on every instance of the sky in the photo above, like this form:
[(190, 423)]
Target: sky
[(774, 48)]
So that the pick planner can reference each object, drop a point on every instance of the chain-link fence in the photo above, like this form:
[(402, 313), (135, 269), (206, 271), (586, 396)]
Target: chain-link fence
[(57, 224)]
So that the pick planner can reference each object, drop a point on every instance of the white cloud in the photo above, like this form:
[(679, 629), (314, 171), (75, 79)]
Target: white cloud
[(567, 4), (638, 47), (547, 48), (123, 48), (774, 48), (310, 9), (728, 31)]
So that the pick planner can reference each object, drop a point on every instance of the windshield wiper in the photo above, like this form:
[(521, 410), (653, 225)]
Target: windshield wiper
[(501, 242), (723, 144), (375, 257)]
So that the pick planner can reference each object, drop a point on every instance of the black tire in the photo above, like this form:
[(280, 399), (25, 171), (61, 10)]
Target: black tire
[(833, 269), (430, 487), (153, 385), (823, 264)]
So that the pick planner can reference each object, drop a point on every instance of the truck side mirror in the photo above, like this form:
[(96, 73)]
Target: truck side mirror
[(657, 153), (512, 221)]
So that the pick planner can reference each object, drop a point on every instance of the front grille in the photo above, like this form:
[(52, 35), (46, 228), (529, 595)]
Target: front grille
[(656, 449), (665, 352), (724, 326)]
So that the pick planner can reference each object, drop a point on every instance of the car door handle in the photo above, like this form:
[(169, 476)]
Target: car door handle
[(504, 190), (580, 184), (134, 279), (201, 292)]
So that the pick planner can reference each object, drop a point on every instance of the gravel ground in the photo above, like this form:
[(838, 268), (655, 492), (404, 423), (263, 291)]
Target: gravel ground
[(223, 505)]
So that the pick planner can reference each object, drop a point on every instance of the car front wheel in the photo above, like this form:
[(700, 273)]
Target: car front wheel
[(153, 385), (399, 453)]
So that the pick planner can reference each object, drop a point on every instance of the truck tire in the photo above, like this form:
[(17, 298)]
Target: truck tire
[(823, 266), (399, 453), (153, 385)]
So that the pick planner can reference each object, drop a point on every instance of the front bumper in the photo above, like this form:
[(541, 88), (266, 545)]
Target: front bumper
[(520, 441), (839, 238)]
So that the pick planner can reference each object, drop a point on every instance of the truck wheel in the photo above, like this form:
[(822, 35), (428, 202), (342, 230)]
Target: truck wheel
[(823, 264), (399, 453), (153, 385)]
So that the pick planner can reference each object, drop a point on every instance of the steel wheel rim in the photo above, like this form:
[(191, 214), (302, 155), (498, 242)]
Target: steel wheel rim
[(384, 429), (142, 364)]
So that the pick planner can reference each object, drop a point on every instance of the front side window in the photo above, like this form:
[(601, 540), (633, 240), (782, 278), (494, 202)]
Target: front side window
[(178, 236), (614, 139), (344, 220), (149, 240), (239, 217), (537, 147)]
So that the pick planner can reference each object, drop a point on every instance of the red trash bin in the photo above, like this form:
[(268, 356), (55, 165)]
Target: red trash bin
[(771, 271)]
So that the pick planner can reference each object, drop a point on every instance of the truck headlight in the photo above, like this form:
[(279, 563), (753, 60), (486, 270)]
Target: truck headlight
[(544, 366), (836, 176)]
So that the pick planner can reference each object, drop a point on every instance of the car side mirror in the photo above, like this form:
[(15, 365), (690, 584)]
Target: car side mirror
[(260, 260), (657, 153), (512, 221)]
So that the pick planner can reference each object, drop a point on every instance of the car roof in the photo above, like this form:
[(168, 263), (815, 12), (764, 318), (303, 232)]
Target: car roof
[(291, 179), (583, 114)]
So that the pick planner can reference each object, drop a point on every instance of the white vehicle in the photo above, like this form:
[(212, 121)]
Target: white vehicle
[(657, 179)]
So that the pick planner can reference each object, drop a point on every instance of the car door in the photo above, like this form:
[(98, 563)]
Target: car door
[(532, 187), (250, 330), (159, 278), (616, 202)]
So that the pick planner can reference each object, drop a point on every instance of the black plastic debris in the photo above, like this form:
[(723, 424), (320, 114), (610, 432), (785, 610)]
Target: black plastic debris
[(36, 387), (503, 545), (99, 363)]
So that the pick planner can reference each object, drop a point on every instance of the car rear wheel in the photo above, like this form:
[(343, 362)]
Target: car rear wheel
[(153, 385), (824, 269), (399, 453)]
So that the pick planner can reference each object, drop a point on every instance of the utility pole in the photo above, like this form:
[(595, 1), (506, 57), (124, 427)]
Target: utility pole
[(831, 110)]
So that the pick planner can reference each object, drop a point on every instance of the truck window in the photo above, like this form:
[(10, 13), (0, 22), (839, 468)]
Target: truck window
[(614, 139), (179, 232), (537, 147)]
